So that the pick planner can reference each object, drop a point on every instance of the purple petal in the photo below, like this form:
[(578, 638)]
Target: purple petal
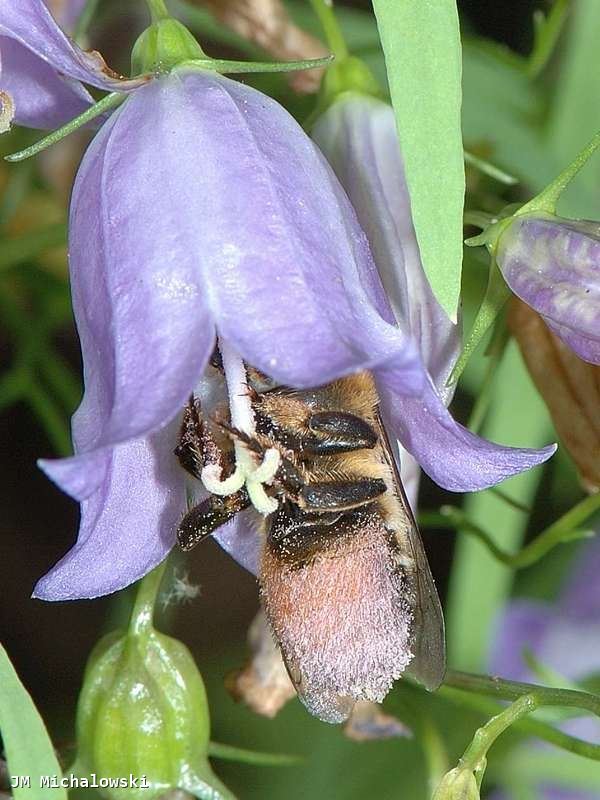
[(141, 309), (234, 236), (66, 12), (570, 647), (581, 596), (242, 539), (304, 306), (451, 455), (42, 97), (30, 23), (523, 626), (358, 136), (554, 266), (128, 523)]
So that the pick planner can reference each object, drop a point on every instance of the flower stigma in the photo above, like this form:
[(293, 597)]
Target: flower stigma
[(246, 471)]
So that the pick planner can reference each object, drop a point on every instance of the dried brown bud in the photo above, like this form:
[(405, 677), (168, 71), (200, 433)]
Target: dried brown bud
[(263, 684), (368, 721), (267, 24), (570, 388)]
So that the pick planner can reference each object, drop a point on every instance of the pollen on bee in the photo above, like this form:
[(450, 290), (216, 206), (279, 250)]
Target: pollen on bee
[(343, 618)]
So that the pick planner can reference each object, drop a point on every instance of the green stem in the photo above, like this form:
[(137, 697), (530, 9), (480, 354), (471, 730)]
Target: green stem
[(158, 10), (142, 614), (32, 244), (110, 101), (496, 295), (333, 33), (513, 690), (495, 352), (244, 67), (527, 727), (565, 529), (228, 753), (516, 416), (489, 169), (485, 736), (547, 31)]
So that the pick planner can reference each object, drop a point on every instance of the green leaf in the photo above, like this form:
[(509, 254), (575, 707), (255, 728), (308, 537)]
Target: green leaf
[(28, 748), (421, 43)]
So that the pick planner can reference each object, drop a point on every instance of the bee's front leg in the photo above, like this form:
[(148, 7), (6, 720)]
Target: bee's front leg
[(207, 516)]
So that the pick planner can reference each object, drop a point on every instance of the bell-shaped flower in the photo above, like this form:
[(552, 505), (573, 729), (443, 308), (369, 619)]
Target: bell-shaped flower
[(201, 209), (41, 69), (358, 136), (553, 265)]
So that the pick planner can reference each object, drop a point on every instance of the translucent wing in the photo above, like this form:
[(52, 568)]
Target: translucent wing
[(428, 665)]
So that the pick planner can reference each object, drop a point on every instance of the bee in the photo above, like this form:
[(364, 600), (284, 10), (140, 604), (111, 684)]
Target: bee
[(344, 580)]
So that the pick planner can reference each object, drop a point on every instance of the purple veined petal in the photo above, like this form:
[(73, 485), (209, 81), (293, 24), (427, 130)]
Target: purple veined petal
[(30, 23), (553, 265), (43, 98), (587, 348), (523, 626), (451, 455), (140, 305), (358, 136), (128, 523), (303, 306), (247, 229)]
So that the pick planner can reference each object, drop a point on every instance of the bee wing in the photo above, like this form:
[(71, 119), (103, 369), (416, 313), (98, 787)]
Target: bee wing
[(428, 665)]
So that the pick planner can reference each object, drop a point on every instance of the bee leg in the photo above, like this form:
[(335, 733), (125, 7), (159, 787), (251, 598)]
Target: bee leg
[(196, 446), (207, 516), (340, 495), (343, 432)]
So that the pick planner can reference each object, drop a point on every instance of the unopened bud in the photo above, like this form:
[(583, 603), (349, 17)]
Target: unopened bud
[(458, 784)]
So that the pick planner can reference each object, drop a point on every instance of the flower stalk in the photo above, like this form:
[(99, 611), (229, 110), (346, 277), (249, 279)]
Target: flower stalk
[(566, 529)]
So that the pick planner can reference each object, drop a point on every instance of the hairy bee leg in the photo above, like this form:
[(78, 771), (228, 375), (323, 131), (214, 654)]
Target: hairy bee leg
[(196, 446), (348, 432), (342, 495), (209, 515), (329, 433)]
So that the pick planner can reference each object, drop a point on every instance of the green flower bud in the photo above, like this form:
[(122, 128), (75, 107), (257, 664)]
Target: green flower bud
[(162, 46), (458, 784), (143, 713)]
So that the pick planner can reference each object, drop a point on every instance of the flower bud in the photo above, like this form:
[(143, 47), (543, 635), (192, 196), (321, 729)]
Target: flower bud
[(142, 719), (458, 784), (553, 265), (570, 388), (162, 45)]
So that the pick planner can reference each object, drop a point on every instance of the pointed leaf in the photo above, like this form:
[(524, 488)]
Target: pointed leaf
[(421, 43), (28, 748)]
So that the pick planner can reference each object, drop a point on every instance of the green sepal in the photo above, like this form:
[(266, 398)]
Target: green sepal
[(496, 295), (143, 710), (241, 67)]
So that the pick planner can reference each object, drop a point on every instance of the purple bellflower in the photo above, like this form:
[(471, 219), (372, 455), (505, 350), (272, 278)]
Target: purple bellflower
[(358, 136), (201, 209), (565, 638), (553, 265)]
